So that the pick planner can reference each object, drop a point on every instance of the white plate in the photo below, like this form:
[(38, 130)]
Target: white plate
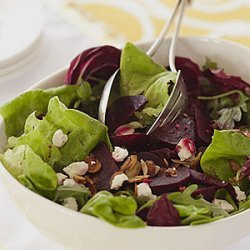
[(21, 25)]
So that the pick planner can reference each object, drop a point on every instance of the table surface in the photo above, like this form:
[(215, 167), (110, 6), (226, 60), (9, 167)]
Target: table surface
[(62, 29)]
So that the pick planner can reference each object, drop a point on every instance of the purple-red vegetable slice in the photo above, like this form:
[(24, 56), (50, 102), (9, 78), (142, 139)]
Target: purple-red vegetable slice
[(203, 128), (108, 167), (163, 183), (133, 142), (120, 111), (170, 134), (163, 213), (94, 65)]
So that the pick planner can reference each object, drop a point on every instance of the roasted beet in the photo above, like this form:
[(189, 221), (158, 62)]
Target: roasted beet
[(191, 75), (203, 128), (93, 65), (165, 153), (122, 109), (171, 134), (163, 213), (223, 82), (108, 167), (134, 142), (163, 183), (152, 157), (207, 193)]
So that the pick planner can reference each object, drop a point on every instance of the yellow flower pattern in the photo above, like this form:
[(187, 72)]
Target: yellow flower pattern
[(119, 20)]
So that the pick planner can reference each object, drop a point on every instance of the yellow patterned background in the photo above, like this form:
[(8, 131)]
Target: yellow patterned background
[(136, 20)]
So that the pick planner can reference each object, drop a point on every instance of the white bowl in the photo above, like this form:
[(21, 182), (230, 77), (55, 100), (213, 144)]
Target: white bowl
[(79, 231)]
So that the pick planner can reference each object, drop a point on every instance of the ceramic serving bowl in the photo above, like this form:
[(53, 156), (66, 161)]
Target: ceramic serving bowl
[(79, 231)]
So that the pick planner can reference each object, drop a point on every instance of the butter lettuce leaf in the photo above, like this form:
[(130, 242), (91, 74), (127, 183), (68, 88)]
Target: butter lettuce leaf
[(79, 192), (117, 210), (157, 95), (225, 146), (16, 111), (84, 133), (27, 167), (136, 70)]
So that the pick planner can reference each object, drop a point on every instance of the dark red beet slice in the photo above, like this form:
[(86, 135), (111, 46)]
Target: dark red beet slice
[(94, 65), (201, 178), (224, 82), (207, 192), (166, 153), (191, 75), (109, 167), (134, 142), (122, 109), (163, 213), (143, 213), (203, 126), (164, 183), (171, 134), (152, 157)]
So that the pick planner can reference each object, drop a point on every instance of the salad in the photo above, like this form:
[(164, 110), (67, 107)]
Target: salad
[(193, 171)]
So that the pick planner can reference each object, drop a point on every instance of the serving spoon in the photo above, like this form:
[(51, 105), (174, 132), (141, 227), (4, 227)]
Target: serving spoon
[(175, 96)]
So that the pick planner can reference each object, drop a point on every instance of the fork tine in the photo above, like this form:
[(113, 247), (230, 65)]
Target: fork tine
[(173, 111)]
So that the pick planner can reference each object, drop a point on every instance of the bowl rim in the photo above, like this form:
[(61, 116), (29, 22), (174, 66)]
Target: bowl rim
[(80, 215)]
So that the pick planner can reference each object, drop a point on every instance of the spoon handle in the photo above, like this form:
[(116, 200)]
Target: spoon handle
[(172, 48), (154, 47)]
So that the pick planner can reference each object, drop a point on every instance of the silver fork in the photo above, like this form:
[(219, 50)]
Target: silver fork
[(177, 100), (175, 97)]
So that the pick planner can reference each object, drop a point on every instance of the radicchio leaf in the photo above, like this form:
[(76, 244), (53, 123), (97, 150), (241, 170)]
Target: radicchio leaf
[(224, 82), (204, 179), (191, 75), (163, 213), (93, 65)]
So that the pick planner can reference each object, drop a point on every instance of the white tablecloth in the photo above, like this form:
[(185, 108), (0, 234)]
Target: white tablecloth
[(59, 44)]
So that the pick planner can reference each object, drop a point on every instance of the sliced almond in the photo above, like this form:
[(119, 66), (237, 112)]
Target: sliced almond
[(138, 178), (93, 163), (131, 167), (172, 171)]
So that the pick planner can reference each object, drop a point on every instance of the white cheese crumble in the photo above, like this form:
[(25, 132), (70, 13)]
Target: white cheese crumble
[(144, 191), (241, 195), (70, 183), (76, 168), (185, 149), (71, 203), (223, 204), (61, 178), (59, 138), (119, 154), (118, 181)]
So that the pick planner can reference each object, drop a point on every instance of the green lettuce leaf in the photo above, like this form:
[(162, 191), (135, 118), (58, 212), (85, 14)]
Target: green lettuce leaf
[(157, 96), (16, 111), (79, 192), (225, 146), (27, 167), (185, 198), (136, 70), (84, 133), (117, 210)]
